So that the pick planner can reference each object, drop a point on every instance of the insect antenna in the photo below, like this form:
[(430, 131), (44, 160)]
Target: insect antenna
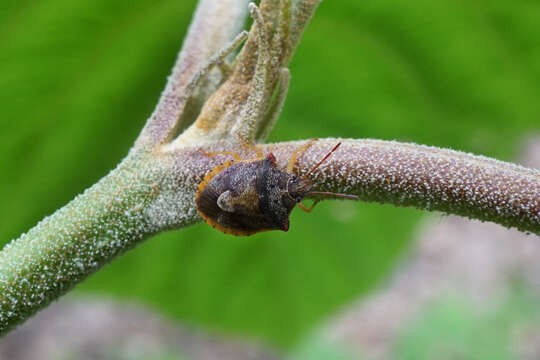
[(325, 193), (335, 195), (322, 161)]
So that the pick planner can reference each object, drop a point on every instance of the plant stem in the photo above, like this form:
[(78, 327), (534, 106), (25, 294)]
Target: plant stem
[(152, 192), (427, 178), (153, 189), (78, 239)]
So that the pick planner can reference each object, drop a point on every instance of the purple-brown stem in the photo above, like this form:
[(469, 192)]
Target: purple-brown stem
[(153, 189), (425, 177)]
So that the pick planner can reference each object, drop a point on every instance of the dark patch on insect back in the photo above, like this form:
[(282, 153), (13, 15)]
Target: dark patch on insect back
[(274, 200)]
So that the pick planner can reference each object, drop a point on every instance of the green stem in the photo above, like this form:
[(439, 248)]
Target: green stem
[(77, 240)]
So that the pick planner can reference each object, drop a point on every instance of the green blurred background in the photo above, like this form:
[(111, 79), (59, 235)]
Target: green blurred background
[(79, 78)]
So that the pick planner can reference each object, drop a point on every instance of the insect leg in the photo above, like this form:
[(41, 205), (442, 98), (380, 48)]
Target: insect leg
[(252, 147), (236, 156), (298, 151), (308, 209)]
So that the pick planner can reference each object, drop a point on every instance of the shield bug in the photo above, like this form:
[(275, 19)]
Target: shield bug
[(245, 196)]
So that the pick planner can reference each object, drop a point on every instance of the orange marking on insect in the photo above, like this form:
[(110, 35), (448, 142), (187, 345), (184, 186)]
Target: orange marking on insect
[(227, 230), (211, 174)]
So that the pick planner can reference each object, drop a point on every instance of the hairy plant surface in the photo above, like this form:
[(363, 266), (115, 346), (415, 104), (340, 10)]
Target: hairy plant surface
[(214, 98)]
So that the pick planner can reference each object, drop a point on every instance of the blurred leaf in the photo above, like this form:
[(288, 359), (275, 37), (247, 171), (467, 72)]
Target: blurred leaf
[(316, 348), (78, 79), (454, 328)]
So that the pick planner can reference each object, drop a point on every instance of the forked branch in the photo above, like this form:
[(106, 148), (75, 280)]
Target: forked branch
[(217, 101)]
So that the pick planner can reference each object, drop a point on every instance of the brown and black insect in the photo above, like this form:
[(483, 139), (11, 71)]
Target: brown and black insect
[(246, 196)]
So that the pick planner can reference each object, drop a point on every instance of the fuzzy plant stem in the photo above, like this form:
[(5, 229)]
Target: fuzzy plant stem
[(75, 241), (428, 178), (146, 195), (123, 208), (221, 104)]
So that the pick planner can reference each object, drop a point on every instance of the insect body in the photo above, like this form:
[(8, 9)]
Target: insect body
[(244, 197)]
